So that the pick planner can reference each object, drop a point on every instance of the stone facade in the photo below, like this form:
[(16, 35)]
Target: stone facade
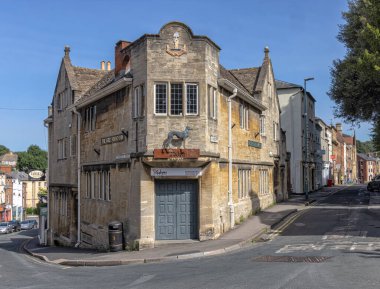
[(167, 95)]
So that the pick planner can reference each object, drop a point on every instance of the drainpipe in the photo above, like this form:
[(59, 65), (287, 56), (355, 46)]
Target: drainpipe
[(47, 185), (78, 170), (230, 200)]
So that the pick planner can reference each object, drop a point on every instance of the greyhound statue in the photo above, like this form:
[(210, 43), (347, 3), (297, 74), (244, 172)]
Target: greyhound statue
[(180, 135)]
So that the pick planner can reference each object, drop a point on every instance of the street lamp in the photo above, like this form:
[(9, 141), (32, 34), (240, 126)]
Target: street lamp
[(306, 160)]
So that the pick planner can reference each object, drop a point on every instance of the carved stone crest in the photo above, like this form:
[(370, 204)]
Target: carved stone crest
[(176, 51)]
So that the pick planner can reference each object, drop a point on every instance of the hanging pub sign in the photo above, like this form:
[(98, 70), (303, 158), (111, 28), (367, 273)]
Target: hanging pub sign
[(36, 174), (176, 153)]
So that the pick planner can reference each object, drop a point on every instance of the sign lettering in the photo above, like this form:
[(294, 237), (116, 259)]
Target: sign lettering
[(176, 153), (112, 139)]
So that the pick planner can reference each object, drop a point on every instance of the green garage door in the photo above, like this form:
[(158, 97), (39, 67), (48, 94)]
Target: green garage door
[(176, 209)]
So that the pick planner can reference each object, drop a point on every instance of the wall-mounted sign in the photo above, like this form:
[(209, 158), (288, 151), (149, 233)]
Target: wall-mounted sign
[(175, 172), (332, 157), (254, 144), (112, 139), (214, 138), (176, 153), (323, 152), (36, 174)]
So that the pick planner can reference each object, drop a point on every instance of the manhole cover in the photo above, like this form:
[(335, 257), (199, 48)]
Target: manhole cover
[(292, 259)]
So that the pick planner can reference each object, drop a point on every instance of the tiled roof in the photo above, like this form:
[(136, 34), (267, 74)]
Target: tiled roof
[(102, 82), (365, 157), (86, 78), (284, 85), (9, 157), (247, 77), (224, 73)]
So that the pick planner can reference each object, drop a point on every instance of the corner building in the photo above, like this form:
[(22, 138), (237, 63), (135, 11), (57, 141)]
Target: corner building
[(152, 145)]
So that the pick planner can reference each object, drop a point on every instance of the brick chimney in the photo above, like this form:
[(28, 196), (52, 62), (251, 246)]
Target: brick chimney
[(120, 58)]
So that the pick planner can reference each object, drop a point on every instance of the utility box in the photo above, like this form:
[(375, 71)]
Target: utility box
[(115, 234)]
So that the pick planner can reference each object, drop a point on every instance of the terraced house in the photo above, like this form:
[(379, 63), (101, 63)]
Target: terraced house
[(152, 144)]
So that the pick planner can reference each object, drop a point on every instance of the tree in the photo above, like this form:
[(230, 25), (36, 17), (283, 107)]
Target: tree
[(33, 159), (355, 85), (3, 150), (364, 147)]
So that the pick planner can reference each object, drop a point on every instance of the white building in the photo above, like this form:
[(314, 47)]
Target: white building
[(291, 98), (17, 205), (325, 150)]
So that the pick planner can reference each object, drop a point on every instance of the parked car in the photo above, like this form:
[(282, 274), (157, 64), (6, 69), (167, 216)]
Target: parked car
[(16, 226), (28, 224), (374, 184), (5, 228)]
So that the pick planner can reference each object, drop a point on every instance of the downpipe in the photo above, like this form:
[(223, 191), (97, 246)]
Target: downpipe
[(79, 123), (230, 199)]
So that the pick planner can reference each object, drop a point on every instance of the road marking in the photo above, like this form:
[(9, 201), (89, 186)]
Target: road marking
[(141, 280), (338, 245)]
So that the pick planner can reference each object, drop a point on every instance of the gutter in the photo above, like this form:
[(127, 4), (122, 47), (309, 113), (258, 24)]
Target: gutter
[(228, 85), (122, 82)]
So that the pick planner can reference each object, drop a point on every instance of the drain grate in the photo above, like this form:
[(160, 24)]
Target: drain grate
[(292, 259)]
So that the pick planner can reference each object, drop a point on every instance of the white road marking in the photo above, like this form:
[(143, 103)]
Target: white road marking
[(141, 280), (338, 245)]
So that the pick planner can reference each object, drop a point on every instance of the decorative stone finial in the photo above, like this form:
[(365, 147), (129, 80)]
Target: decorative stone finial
[(67, 50), (266, 51)]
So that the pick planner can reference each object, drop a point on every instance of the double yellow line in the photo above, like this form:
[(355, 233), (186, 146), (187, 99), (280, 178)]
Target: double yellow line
[(298, 214)]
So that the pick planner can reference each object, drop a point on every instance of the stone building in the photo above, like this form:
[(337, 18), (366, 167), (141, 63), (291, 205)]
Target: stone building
[(351, 154), (147, 143)]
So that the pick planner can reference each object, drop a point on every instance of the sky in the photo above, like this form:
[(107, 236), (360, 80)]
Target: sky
[(301, 36)]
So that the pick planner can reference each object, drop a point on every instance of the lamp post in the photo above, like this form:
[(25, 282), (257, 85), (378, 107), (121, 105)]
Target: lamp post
[(306, 160)]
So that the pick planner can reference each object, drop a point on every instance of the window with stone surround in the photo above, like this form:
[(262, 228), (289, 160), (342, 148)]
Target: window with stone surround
[(263, 182), (212, 102), (262, 125), (90, 118), (191, 99), (244, 115), (98, 184), (138, 101), (182, 98), (244, 183), (176, 98), (160, 98), (62, 149)]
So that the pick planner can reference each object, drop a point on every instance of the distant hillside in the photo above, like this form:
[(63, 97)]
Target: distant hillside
[(365, 146)]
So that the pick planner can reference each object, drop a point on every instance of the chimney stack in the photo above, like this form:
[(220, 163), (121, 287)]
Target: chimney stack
[(339, 127), (102, 65), (108, 65), (119, 56)]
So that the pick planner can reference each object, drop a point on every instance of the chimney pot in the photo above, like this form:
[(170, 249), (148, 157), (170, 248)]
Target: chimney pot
[(102, 65), (108, 65)]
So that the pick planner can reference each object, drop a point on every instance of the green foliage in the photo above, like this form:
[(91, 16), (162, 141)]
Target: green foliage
[(32, 211), (376, 136), (364, 147), (355, 85), (33, 159), (3, 150)]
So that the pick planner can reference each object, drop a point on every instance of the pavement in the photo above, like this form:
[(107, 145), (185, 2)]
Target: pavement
[(241, 236)]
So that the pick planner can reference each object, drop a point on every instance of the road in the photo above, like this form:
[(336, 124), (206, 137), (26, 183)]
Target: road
[(333, 244)]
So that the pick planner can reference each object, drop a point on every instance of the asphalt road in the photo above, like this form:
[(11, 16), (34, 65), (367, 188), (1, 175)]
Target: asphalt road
[(333, 244)]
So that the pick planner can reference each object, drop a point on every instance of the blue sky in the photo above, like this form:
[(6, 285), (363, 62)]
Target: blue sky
[(301, 35)]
